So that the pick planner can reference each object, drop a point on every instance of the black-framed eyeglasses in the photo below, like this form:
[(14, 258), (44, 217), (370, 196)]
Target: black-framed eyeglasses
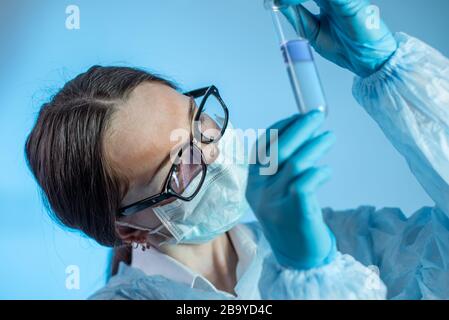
[(209, 121)]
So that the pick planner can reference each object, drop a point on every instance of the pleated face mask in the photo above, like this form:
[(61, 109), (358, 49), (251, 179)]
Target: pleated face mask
[(218, 206)]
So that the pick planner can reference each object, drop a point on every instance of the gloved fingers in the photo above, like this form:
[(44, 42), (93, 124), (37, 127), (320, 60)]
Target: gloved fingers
[(303, 192), (291, 135), (303, 21), (284, 124), (291, 2), (339, 7), (345, 13), (262, 147), (310, 24), (304, 158), (307, 183), (299, 128), (345, 8), (298, 133)]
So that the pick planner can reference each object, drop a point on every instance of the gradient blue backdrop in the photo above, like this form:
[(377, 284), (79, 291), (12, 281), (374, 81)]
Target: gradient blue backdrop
[(230, 43)]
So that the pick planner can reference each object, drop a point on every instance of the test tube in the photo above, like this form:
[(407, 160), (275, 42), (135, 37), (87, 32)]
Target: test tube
[(298, 58)]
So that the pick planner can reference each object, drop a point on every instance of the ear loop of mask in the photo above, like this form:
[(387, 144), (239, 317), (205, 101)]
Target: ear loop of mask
[(168, 239), (156, 231)]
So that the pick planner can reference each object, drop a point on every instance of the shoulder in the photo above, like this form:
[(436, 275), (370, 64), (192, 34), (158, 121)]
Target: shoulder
[(117, 286)]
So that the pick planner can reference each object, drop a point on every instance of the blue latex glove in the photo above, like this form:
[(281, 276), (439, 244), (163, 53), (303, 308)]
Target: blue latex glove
[(345, 33), (285, 203)]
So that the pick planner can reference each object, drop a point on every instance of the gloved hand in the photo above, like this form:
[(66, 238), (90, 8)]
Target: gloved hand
[(345, 33), (285, 203)]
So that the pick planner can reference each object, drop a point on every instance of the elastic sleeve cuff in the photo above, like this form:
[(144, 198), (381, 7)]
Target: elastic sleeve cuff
[(405, 42), (412, 54), (343, 279)]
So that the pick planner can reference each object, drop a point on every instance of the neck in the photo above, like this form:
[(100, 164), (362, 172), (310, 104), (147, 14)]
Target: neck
[(215, 260)]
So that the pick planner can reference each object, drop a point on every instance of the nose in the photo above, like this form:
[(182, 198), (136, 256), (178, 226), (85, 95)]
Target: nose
[(210, 152)]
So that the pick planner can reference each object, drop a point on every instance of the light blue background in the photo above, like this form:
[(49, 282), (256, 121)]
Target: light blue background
[(230, 43)]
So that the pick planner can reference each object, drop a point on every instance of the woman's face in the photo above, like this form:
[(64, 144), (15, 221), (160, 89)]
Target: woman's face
[(139, 144)]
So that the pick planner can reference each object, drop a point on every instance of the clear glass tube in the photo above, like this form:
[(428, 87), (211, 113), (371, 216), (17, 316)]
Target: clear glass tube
[(298, 58)]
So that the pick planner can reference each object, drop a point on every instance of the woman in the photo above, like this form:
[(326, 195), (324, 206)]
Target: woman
[(127, 159), (103, 144)]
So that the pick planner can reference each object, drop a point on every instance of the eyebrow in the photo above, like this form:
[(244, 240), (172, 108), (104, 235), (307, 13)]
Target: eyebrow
[(164, 161)]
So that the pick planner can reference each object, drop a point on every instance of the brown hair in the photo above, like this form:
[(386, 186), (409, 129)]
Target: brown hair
[(65, 150)]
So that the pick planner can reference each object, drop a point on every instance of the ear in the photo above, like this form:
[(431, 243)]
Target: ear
[(129, 234)]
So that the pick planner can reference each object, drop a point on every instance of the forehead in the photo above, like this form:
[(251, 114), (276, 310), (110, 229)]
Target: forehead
[(138, 138)]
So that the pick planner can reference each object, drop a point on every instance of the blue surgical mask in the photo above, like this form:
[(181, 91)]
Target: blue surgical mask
[(220, 203)]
